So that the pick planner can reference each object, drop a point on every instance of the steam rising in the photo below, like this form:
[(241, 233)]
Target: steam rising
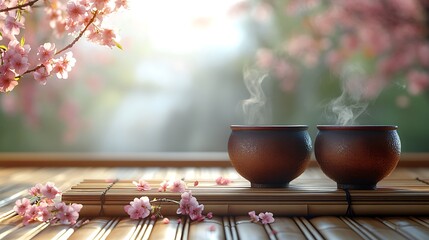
[(351, 103), (254, 107)]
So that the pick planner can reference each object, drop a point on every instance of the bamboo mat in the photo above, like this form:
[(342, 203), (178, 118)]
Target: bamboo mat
[(305, 197), (14, 183)]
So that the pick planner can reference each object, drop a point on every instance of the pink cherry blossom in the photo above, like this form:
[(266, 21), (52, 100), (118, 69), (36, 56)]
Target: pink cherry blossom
[(53, 16), (76, 207), (253, 216), (30, 214), (19, 64), (60, 206), (7, 80), (35, 191), (41, 75), (46, 52), (417, 81), (43, 212), (183, 208), (196, 212), (177, 186), (142, 185), (139, 208), (121, 4), (209, 215), (196, 183), (266, 217), (21, 206), (49, 190), (212, 228), (100, 4), (15, 48), (63, 65), (108, 37), (186, 202), (68, 214), (75, 10), (186, 196), (165, 220), (223, 181), (135, 213), (163, 186), (12, 27)]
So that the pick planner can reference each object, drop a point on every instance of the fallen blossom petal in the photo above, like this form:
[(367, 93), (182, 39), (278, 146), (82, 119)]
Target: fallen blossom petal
[(142, 185), (165, 220), (223, 181), (212, 228), (253, 216), (177, 186), (266, 217), (163, 186)]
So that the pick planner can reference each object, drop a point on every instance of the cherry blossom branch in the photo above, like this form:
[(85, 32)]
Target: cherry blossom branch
[(80, 34), (66, 47), (164, 200), (28, 4)]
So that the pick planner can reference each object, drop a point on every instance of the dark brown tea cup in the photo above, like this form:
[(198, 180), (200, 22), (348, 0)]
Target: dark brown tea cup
[(357, 157), (269, 155)]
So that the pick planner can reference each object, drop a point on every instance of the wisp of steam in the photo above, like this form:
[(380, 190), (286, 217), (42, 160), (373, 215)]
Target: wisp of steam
[(351, 103), (254, 107)]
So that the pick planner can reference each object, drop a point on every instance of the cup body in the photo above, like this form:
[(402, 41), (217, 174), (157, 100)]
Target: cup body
[(357, 157), (269, 155)]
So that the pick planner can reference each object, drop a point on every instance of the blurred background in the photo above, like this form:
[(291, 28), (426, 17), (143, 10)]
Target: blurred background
[(179, 82)]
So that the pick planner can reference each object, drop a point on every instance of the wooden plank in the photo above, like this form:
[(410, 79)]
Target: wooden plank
[(170, 159)]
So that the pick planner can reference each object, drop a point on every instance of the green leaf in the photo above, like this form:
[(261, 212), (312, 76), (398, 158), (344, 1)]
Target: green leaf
[(3, 47), (118, 45), (22, 41)]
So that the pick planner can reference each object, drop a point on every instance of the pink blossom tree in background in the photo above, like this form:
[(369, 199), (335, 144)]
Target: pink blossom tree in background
[(76, 17), (36, 39), (389, 38)]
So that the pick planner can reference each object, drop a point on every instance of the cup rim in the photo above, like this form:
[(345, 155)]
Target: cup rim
[(269, 127), (358, 127)]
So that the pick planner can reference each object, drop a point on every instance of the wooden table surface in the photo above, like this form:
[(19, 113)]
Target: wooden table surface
[(15, 181)]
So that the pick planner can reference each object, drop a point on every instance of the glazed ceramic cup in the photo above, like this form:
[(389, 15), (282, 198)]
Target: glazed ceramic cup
[(357, 157), (269, 156)]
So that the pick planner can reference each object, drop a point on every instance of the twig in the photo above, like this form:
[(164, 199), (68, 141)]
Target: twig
[(66, 47), (80, 34), (28, 4), (164, 200)]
